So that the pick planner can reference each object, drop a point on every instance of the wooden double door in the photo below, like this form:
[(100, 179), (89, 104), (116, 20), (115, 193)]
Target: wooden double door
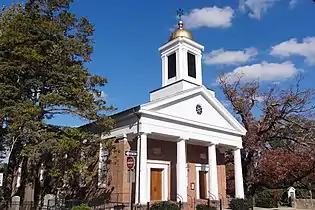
[(156, 184)]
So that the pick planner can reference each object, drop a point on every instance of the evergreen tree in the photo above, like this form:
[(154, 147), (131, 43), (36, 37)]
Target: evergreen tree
[(43, 51)]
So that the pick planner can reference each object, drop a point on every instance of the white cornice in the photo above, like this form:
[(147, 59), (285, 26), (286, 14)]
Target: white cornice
[(182, 40)]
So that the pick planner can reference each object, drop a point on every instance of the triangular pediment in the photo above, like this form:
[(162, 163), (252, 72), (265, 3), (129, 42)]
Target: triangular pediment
[(197, 105)]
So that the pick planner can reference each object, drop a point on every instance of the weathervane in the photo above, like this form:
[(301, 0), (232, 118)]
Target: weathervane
[(180, 13)]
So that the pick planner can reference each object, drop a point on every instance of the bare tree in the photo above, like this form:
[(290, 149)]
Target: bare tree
[(280, 131)]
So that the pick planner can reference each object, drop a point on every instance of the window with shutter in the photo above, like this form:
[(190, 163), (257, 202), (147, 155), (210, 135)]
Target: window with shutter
[(172, 66), (191, 65)]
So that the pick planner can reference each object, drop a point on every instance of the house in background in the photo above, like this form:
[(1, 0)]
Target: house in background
[(180, 135)]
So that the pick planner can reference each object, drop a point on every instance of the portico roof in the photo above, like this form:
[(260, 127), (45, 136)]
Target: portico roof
[(176, 116)]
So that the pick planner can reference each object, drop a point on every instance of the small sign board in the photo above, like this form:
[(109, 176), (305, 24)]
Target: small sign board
[(131, 153), (130, 162), (1, 179), (131, 176)]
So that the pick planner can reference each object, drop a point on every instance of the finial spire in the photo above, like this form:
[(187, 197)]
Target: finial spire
[(180, 13), (180, 31)]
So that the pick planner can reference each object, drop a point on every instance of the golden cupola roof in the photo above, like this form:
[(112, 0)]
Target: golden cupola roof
[(180, 32)]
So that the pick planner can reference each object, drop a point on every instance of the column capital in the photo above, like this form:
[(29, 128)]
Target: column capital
[(122, 137), (183, 138), (237, 148), (142, 134), (212, 144)]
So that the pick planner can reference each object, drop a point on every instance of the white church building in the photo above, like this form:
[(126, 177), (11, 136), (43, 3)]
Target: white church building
[(180, 135)]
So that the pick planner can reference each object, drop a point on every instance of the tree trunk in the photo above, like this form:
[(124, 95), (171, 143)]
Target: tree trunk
[(11, 179)]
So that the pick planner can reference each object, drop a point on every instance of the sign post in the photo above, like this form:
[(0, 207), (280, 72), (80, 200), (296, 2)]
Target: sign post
[(130, 165)]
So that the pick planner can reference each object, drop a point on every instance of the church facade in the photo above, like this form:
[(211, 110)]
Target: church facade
[(179, 137)]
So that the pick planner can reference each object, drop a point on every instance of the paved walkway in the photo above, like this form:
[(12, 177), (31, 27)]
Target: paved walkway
[(280, 208)]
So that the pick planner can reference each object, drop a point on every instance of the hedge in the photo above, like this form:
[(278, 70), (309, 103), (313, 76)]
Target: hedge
[(81, 207), (239, 204), (164, 205), (205, 207), (266, 199)]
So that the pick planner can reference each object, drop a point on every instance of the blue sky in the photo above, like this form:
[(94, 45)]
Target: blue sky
[(269, 39)]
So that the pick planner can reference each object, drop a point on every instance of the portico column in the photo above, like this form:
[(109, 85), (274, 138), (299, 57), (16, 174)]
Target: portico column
[(141, 187), (181, 171), (239, 187), (213, 173)]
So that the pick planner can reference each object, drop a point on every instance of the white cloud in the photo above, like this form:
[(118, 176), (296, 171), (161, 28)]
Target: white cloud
[(306, 48), (256, 8), (259, 98), (211, 17), (101, 95), (292, 4), (229, 57), (263, 72)]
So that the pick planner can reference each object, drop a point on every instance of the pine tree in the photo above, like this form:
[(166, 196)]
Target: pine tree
[(43, 51)]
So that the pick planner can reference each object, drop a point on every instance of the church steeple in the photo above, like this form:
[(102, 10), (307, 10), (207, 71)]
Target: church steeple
[(181, 62), (181, 57)]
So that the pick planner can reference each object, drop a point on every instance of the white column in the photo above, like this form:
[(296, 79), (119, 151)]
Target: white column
[(181, 171), (137, 171), (239, 188), (213, 173), (141, 181)]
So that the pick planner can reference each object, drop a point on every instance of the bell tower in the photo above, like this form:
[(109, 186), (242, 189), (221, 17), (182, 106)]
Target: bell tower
[(181, 62), (181, 58)]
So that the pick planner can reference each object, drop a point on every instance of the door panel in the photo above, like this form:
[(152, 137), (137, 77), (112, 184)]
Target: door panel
[(203, 184), (156, 184)]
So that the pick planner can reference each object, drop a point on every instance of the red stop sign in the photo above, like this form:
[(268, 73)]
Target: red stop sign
[(130, 162)]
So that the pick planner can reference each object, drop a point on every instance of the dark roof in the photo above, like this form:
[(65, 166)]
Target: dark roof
[(93, 125), (126, 111)]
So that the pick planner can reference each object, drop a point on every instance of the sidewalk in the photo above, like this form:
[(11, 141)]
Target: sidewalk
[(280, 208)]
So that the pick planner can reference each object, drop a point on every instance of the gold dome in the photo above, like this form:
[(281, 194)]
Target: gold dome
[(180, 32)]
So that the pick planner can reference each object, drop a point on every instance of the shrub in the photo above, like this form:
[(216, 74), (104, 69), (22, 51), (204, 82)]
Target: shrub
[(301, 193), (205, 207), (81, 207), (164, 205), (266, 199), (283, 197), (239, 204)]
